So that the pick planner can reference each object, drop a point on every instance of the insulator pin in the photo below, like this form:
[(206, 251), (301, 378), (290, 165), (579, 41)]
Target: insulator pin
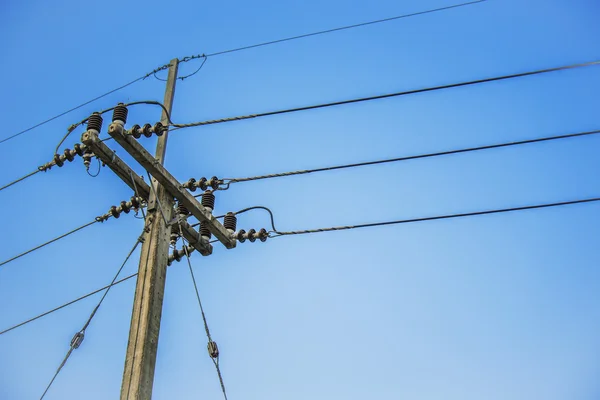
[(120, 113), (95, 122)]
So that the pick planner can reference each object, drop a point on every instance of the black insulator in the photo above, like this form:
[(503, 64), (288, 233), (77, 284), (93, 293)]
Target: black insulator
[(263, 235), (208, 199), (78, 149), (202, 183), (158, 129), (182, 210), (252, 235), (241, 236), (190, 185), (95, 122), (147, 130), (214, 182), (213, 350), (125, 207), (120, 113), (114, 212), (68, 156), (136, 131), (230, 221), (204, 231), (134, 202), (58, 161)]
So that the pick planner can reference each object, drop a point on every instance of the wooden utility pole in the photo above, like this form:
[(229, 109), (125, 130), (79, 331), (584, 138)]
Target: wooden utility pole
[(140, 360)]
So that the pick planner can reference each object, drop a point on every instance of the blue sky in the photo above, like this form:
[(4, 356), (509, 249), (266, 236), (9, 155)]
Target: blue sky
[(495, 307)]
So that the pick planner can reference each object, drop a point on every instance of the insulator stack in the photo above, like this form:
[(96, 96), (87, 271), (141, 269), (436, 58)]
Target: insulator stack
[(203, 183), (208, 200), (95, 122), (230, 222), (120, 114), (213, 349), (204, 231), (125, 207), (147, 130), (252, 235), (59, 159)]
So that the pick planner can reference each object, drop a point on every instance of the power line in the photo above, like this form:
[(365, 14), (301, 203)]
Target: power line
[(66, 304), (48, 242), (189, 58), (407, 221), (388, 95), (19, 180), (83, 104), (342, 28), (80, 335), (136, 203), (228, 181)]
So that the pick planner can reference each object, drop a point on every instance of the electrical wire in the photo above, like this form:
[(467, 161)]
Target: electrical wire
[(80, 335), (185, 59), (19, 180), (387, 95), (85, 296), (84, 104), (48, 242), (343, 28), (228, 181), (439, 217)]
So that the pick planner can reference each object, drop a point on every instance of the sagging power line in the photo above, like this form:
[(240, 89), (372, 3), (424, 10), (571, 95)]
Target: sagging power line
[(388, 95), (134, 204), (434, 218), (224, 183)]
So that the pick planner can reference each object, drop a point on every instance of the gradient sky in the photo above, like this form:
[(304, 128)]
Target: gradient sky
[(492, 307)]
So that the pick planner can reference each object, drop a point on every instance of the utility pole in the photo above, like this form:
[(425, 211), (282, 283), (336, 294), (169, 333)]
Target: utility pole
[(142, 346), (160, 193)]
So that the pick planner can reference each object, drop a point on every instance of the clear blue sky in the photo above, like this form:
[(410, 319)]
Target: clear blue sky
[(494, 307)]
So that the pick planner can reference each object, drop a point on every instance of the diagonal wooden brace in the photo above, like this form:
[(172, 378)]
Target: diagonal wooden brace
[(151, 164), (127, 175)]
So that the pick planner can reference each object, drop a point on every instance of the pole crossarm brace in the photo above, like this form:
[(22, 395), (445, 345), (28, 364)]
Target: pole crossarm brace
[(127, 175), (176, 189)]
